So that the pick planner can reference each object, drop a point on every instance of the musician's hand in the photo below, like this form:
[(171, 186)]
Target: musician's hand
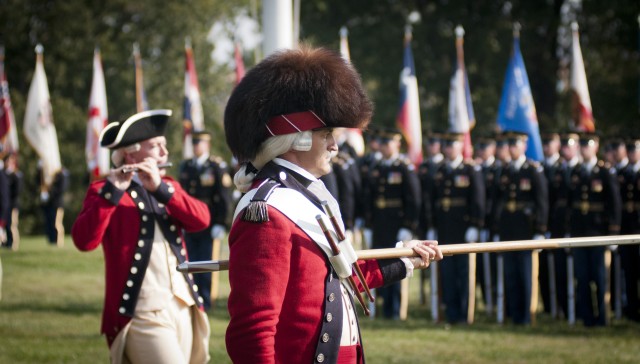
[(119, 178), (149, 174), (428, 251)]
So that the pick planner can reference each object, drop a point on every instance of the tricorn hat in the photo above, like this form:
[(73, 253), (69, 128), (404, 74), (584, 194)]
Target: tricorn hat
[(293, 91), (141, 126)]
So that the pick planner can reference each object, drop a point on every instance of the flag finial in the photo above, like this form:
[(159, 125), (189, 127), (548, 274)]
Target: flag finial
[(407, 33), (136, 48), (574, 26), (187, 41), (459, 31), (39, 48), (516, 29), (344, 32)]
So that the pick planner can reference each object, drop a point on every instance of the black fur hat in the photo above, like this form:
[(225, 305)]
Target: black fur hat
[(291, 81)]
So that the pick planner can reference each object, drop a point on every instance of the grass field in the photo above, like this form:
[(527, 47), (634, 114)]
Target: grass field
[(52, 298)]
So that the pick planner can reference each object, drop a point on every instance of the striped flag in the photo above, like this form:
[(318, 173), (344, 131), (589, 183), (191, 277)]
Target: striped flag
[(38, 123), (239, 63), (461, 117), (8, 133), (581, 112), (193, 118), (97, 156), (353, 136), (408, 118), (141, 96), (517, 111)]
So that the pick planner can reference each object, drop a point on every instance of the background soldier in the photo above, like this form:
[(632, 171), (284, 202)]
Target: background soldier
[(552, 165), (393, 204), (206, 178), (486, 262), (457, 199), (521, 213), (52, 203), (595, 210), (14, 183), (630, 254)]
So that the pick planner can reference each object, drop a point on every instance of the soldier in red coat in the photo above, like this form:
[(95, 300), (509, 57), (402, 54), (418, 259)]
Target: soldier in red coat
[(152, 313), (288, 303)]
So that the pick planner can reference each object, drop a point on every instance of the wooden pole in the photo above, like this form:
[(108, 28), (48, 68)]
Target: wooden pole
[(454, 249)]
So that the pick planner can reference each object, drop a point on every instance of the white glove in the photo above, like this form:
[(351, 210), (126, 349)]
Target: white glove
[(431, 234), (367, 235), (496, 237), (218, 231), (404, 234), (538, 237), (44, 196), (472, 234), (612, 248)]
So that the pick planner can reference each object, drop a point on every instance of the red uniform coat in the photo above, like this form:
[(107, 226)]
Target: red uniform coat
[(111, 217), (277, 291)]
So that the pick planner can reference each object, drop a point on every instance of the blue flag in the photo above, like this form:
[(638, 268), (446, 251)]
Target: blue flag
[(517, 111)]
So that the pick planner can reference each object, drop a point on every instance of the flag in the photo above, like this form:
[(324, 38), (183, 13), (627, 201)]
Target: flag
[(97, 156), (517, 111), (461, 117), (8, 134), (408, 118), (38, 123), (141, 96), (353, 136), (581, 112), (193, 118), (239, 63)]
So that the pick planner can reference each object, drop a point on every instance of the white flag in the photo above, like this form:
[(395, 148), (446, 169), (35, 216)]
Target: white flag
[(97, 156), (38, 123)]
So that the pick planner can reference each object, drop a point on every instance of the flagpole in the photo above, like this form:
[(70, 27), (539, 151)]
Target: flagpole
[(454, 249)]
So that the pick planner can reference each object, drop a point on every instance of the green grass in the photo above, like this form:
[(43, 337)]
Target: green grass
[(52, 299)]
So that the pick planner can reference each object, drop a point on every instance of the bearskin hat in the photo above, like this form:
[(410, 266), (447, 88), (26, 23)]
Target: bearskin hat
[(314, 80)]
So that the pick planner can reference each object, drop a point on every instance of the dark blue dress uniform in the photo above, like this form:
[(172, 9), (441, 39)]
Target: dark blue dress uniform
[(210, 183), (521, 212), (53, 205), (458, 203), (629, 180), (344, 184), (595, 203), (393, 203)]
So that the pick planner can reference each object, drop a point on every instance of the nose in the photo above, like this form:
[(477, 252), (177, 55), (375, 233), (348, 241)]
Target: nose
[(332, 145)]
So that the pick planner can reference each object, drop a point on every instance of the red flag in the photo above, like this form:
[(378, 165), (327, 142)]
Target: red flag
[(580, 101), (461, 116), (97, 156), (239, 63), (38, 123), (193, 117), (8, 134), (408, 118)]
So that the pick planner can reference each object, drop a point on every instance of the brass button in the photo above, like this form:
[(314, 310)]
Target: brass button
[(141, 205), (325, 337), (122, 310), (332, 297), (320, 358), (134, 194), (329, 317), (134, 270), (107, 196), (125, 296)]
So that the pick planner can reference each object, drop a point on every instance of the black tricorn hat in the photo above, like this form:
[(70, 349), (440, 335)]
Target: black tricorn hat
[(315, 82), (141, 126)]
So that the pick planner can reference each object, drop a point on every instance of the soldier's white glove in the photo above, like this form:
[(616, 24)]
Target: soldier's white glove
[(471, 235), (367, 235), (218, 231), (44, 196), (612, 248), (404, 234), (432, 234), (538, 237)]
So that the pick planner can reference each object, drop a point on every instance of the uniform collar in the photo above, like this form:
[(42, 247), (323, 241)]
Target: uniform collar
[(295, 168), (201, 159)]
